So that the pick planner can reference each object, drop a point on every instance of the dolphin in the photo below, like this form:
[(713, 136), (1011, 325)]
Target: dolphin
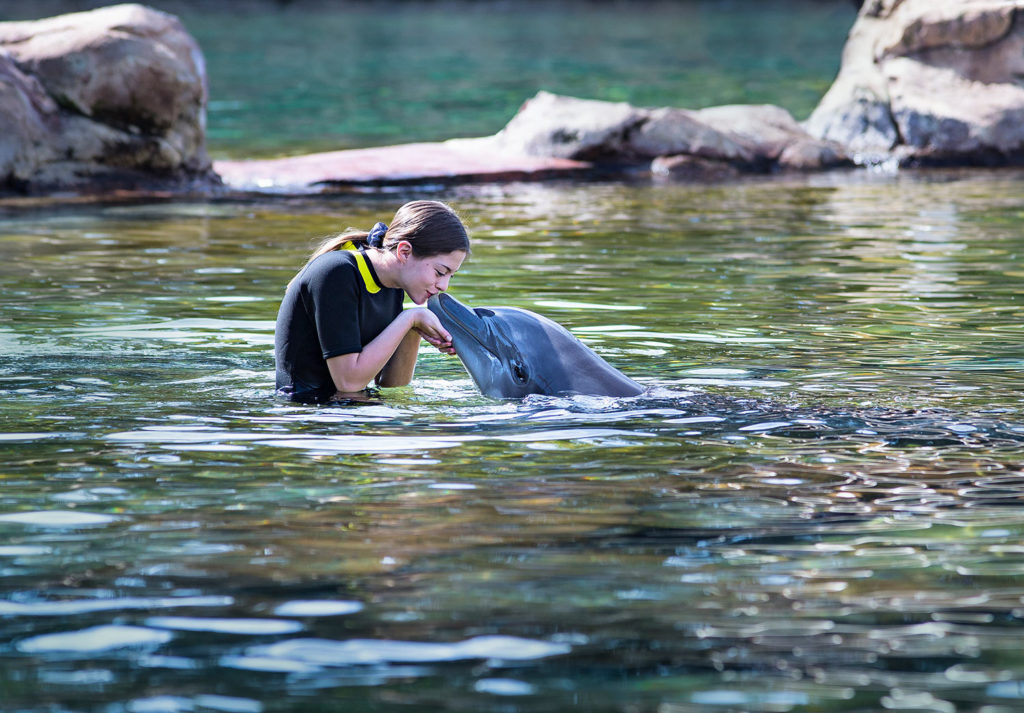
[(512, 352)]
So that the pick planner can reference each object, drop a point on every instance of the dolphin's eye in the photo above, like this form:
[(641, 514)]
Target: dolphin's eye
[(519, 372)]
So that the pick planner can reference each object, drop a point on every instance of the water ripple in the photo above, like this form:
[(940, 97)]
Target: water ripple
[(251, 627), (96, 639), (82, 606), (59, 518), (324, 652)]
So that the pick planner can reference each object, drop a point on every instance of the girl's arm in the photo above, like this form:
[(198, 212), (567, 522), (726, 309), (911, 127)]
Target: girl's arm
[(399, 342), (400, 367)]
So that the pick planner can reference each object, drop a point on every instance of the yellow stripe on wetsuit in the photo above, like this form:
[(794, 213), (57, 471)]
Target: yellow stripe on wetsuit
[(371, 285)]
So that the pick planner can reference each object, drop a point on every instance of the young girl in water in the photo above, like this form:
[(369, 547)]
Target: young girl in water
[(341, 324)]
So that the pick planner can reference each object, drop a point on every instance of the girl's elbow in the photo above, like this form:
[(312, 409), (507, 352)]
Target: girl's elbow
[(348, 386), (389, 381)]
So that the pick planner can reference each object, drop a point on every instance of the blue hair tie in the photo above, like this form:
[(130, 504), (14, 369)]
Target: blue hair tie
[(376, 237)]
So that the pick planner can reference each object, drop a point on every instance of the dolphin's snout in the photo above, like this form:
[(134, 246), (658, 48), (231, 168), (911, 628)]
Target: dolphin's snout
[(451, 312), (434, 304)]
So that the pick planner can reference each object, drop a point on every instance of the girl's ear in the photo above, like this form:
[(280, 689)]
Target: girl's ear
[(403, 250)]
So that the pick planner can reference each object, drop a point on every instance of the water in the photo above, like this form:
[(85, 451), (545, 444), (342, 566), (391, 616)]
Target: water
[(815, 505), (311, 75)]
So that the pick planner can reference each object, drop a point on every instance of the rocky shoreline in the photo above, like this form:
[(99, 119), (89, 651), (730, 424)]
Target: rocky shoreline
[(114, 100)]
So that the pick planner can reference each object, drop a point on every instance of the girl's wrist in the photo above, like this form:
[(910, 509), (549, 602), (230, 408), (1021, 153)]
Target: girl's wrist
[(412, 317)]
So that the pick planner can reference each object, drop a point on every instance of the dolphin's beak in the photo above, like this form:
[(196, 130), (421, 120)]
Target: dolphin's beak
[(449, 310), (462, 321)]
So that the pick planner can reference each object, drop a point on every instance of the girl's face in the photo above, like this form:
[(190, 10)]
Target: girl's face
[(424, 277)]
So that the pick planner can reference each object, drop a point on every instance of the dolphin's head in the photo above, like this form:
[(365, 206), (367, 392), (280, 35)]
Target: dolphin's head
[(483, 342), (511, 352)]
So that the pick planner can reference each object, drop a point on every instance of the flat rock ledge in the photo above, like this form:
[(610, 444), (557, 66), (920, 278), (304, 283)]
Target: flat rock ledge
[(455, 161), (556, 136), (100, 101)]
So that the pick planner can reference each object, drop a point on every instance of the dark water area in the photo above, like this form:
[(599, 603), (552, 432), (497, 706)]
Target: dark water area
[(817, 504)]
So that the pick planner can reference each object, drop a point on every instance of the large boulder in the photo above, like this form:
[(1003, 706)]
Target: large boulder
[(929, 82), (741, 138), (111, 98)]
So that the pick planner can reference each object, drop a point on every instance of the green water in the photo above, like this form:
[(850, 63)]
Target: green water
[(311, 75), (816, 505), (352, 75)]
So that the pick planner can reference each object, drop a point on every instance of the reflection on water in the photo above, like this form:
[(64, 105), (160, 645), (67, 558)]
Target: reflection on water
[(816, 504)]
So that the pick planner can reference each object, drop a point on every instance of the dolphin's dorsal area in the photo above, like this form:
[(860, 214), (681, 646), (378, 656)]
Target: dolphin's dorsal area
[(511, 353)]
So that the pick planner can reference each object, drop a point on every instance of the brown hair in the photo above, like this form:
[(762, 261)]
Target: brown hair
[(430, 227)]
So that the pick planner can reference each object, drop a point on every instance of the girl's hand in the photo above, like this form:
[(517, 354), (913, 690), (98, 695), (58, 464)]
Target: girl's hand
[(429, 327)]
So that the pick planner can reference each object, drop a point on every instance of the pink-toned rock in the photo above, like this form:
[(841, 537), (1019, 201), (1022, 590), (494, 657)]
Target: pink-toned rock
[(458, 160), (114, 97)]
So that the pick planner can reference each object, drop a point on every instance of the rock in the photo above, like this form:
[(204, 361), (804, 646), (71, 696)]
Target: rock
[(748, 138), (111, 98), (684, 167), (929, 82), (678, 131), (27, 124), (812, 155), (551, 125), (774, 137)]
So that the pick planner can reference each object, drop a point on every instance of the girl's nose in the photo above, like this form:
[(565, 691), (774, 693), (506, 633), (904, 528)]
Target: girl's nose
[(442, 284)]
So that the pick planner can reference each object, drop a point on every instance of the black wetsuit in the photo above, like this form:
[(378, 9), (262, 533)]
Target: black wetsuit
[(336, 305)]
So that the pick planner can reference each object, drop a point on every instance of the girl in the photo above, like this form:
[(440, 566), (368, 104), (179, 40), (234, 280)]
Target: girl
[(341, 323)]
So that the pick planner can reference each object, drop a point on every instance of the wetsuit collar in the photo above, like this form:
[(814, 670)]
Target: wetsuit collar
[(369, 275)]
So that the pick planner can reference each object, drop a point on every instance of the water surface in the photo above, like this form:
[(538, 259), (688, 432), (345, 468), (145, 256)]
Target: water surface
[(816, 505)]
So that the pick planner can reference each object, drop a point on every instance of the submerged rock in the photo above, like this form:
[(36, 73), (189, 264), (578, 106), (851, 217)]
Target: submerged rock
[(930, 82), (684, 143), (100, 100)]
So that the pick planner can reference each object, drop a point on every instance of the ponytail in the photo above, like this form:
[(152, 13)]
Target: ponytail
[(330, 244), (335, 242)]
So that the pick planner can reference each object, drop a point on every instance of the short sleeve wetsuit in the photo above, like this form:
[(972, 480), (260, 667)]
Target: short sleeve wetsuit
[(335, 306)]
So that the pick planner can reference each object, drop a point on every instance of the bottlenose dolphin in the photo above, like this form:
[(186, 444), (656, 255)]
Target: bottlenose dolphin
[(513, 352)]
